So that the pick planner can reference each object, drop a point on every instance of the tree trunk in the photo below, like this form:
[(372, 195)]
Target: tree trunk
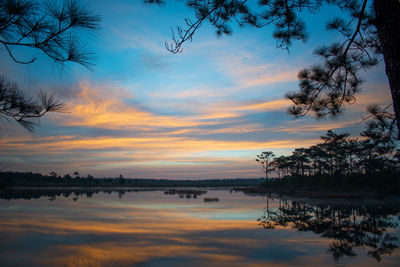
[(388, 25), (351, 164)]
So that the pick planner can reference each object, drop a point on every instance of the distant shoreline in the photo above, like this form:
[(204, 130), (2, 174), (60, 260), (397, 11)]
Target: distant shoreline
[(379, 185), (37, 180)]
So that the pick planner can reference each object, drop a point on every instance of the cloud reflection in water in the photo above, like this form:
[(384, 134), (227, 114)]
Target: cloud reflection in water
[(152, 229)]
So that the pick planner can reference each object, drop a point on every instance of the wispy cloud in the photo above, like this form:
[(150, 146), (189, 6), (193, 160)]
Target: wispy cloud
[(182, 145), (105, 108), (247, 70), (205, 112)]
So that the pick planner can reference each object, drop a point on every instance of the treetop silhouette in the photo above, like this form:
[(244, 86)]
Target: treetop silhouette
[(54, 29), (369, 33)]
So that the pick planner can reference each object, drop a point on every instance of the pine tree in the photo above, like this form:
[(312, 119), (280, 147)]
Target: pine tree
[(365, 35), (48, 27)]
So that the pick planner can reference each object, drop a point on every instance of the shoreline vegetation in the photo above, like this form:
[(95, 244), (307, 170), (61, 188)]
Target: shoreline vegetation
[(339, 166), (378, 185), (9, 180)]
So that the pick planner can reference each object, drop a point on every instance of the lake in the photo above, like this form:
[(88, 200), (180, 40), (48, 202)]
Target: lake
[(175, 228)]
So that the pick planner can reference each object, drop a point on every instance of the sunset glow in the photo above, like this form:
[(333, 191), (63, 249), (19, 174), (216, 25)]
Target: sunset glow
[(146, 113)]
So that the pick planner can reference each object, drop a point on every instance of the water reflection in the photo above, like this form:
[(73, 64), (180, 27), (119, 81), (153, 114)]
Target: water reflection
[(187, 193), (348, 227), (211, 199), (150, 228), (54, 193)]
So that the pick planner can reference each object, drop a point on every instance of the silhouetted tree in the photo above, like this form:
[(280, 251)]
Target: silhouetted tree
[(15, 105), (351, 148), (380, 132), (334, 144), (364, 36), (338, 156), (280, 165), (265, 160), (53, 174), (300, 159), (316, 156), (51, 28)]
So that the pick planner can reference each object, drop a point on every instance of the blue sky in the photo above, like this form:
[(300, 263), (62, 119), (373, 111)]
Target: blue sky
[(147, 113)]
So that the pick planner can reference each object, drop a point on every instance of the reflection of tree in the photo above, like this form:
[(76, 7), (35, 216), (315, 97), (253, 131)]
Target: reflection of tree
[(187, 193), (347, 227), (52, 194)]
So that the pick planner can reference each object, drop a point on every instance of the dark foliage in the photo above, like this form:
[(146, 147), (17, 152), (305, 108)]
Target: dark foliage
[(222, 13), (326, 88), (15, 105), (53, 193), (265, 161), (347, 228), (338, 155), (340, 163), (364, 34), (50, 27), (54, 29), (346, 186), (29, 179)]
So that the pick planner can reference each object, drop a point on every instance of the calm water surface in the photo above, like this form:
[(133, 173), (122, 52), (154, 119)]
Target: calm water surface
[(151, 228)]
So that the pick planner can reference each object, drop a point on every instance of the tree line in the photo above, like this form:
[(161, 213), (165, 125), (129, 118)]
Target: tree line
[(9, 179), (375, 151)]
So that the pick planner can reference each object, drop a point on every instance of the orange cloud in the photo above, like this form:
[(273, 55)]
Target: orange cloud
[(288, 76), (101, 108), (247, 70), (186, 145), (152, 156), (106, 109), (280, 104), (149, 139)]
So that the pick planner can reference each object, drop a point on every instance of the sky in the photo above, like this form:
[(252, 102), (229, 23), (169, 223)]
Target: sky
[(143, 112)]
